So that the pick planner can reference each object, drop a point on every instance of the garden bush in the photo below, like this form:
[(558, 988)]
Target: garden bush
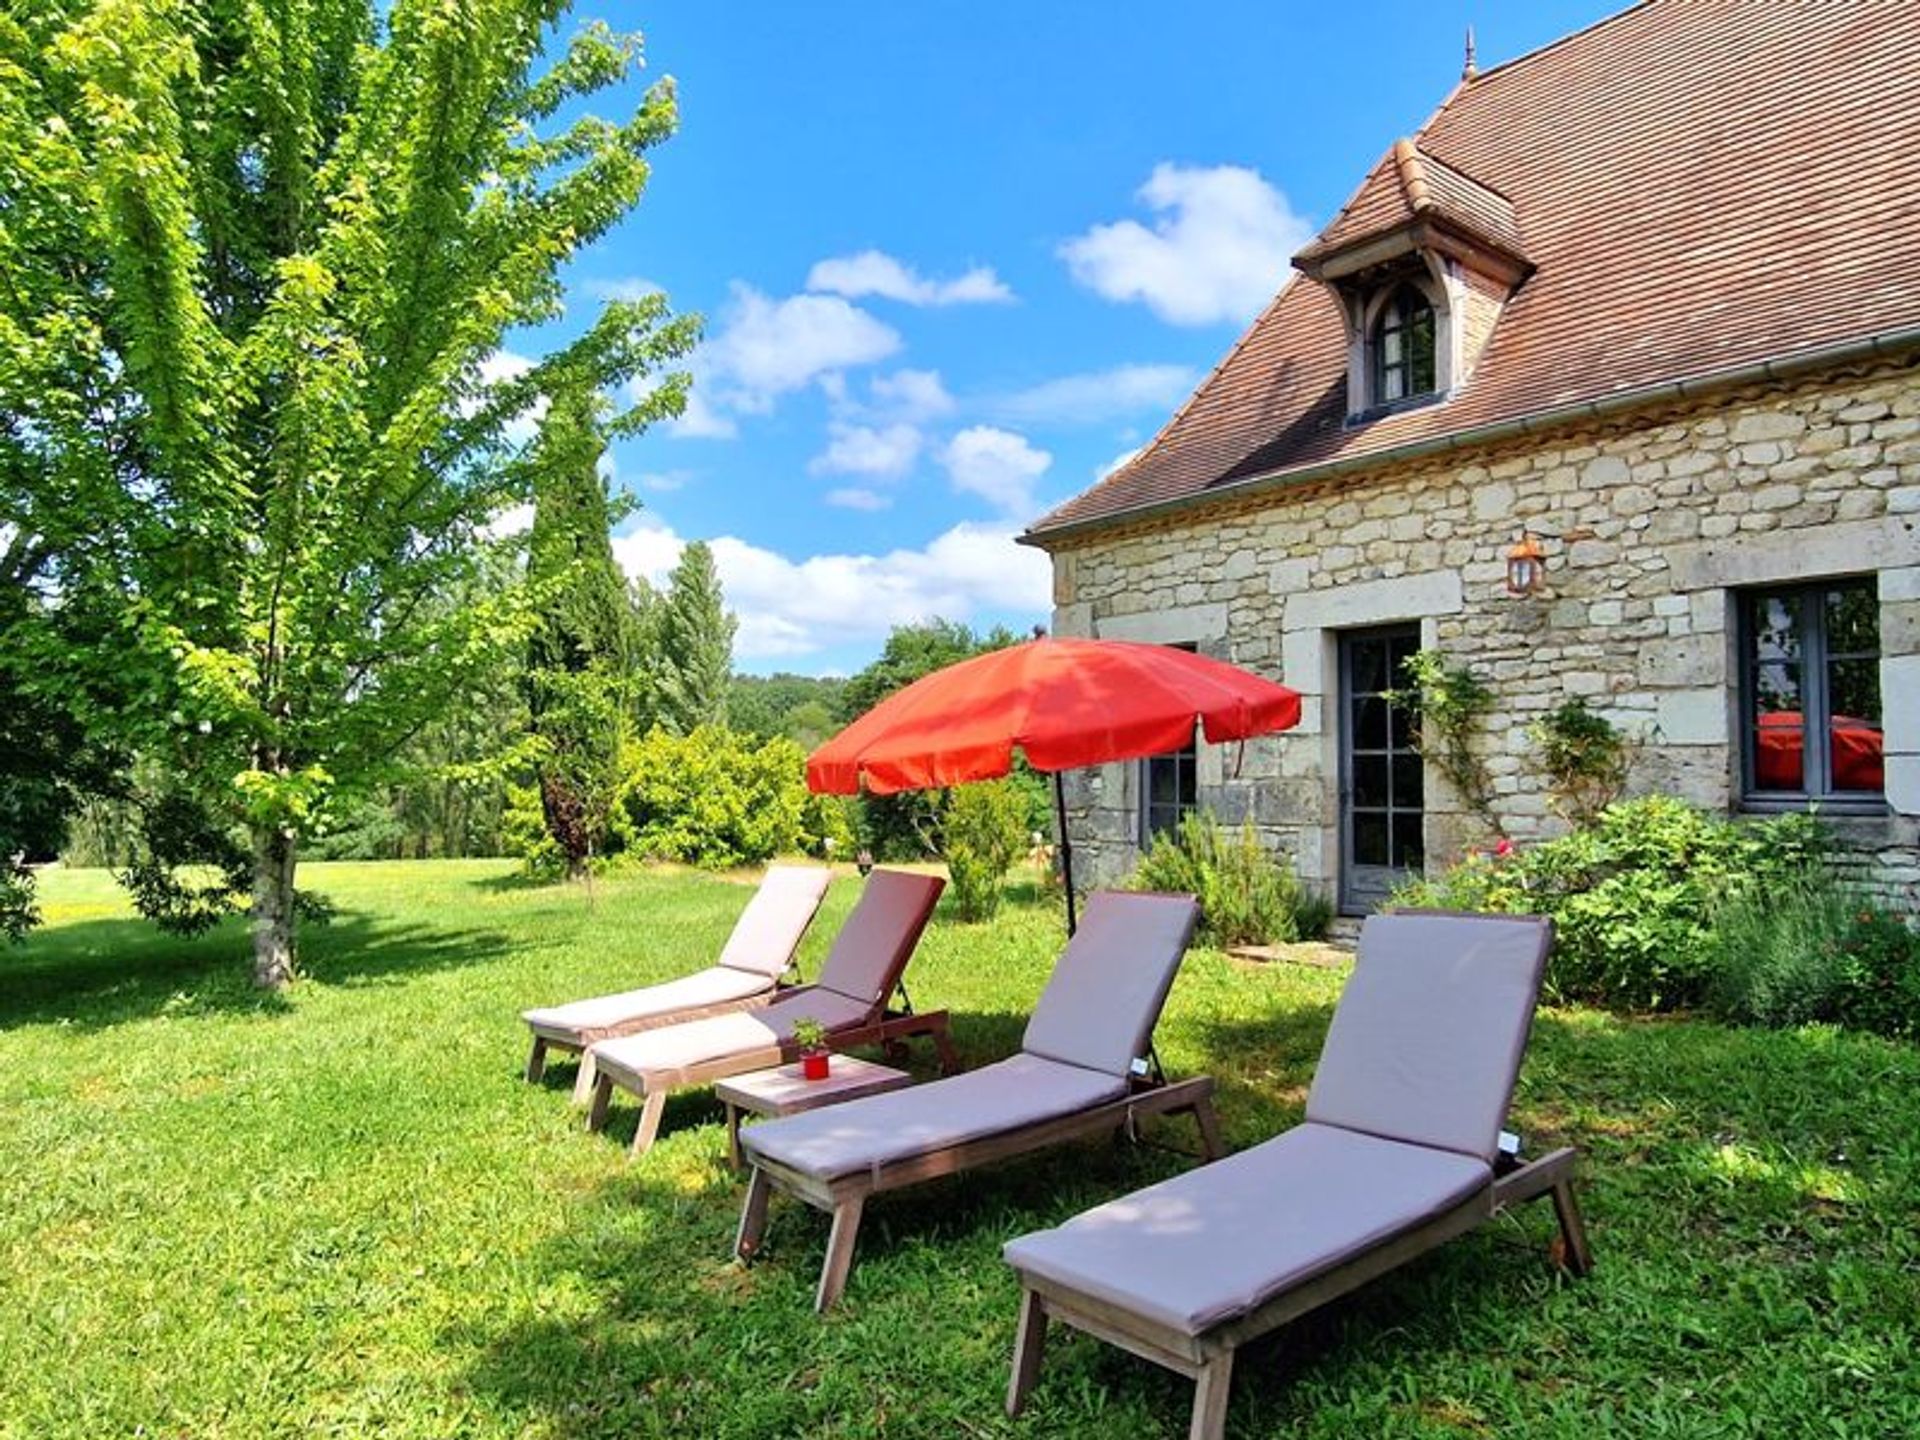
[(985, 832), (1246, 896), (1815, 952), (712, 798), (1634, 895)]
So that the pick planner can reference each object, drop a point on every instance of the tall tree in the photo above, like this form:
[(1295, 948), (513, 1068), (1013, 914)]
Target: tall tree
[(259, 263), (583, 657), (694, 641)]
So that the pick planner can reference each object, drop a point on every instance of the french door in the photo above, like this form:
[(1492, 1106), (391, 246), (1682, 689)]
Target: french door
[(1382, 779)]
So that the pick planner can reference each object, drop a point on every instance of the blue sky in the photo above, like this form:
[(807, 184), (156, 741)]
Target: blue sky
[(956, 260)]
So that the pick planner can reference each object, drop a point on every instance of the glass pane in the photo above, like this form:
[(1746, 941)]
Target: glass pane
[(1370, 839), (1392, 345), (1162, 818), (1403, 725), (1406, 782), (1369, 666), (1161, 781), (1776, 627), (1409, 848), (1420, 342), (1779, 752), (1185, 768), (1856, 747), (1853, 621), (1776, 688), (1393, 383), (1370, 780), (1370, 723)]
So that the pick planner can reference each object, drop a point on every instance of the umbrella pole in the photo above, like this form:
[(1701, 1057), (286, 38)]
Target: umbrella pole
[(1066, 845)]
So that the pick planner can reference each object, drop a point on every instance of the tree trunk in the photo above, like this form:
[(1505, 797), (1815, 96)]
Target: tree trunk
[(273, 859)]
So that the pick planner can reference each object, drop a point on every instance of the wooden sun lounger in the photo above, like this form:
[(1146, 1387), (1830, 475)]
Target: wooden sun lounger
[(750, 973), (1077, 1074), (1393, 1160), (850, 999)]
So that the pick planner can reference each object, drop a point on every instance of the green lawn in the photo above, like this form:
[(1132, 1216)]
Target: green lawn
[(345, 1214)]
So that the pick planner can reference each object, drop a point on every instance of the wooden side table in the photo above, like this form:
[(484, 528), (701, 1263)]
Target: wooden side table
[(783, 1090)]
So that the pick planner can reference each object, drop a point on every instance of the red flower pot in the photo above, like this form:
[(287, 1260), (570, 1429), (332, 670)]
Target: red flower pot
[(813, 1065)]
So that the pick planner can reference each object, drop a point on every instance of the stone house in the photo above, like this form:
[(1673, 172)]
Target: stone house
[(1645, 302)]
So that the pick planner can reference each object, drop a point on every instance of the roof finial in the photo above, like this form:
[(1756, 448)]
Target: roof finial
[(1471, 68)]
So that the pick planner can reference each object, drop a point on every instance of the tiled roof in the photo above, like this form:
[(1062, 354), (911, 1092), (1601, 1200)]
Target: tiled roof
[(1408, 183), (1702, 184)]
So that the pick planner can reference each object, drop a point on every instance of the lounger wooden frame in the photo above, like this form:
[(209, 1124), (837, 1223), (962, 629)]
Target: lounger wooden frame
[(574, 1039), (845, 1198), (1207, 1359), (890, 1029)]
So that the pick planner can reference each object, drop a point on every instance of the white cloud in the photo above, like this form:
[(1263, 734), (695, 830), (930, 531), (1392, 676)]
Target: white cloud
[(854, 498), (662, 481), (700, 420), (799, 607), (629, 287), (1217, 250), (514, 520), (767, 348), (1099, 396), (884, 454), (910, 395), (874, 272), (997, 465), (1123, 458)]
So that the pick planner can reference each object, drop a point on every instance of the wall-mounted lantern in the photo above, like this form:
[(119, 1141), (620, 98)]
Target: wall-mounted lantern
[(1526, 566)]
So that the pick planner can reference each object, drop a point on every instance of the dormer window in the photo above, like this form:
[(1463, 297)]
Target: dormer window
[(1403, 347)]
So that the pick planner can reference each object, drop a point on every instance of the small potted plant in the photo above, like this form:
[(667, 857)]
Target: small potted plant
[(811, 1037)]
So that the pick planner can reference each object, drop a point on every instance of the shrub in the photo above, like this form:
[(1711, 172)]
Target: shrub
[(1880, 974), (712, 798), (1775, 956), (1633, 895), (1586, 758), (1246, 897), (986, 831)]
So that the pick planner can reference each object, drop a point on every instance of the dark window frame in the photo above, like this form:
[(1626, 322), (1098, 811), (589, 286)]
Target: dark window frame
[(1187, 760), (1394, 317), (1815, 700)]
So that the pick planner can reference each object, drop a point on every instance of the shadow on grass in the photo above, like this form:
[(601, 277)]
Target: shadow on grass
[(98, 973)]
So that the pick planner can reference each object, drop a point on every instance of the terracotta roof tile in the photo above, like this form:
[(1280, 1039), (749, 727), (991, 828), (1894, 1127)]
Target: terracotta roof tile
[(1702, 184)]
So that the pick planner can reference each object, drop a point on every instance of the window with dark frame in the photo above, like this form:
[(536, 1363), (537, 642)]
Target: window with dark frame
[(1403, 347), (1168, 786), (1811, 716)]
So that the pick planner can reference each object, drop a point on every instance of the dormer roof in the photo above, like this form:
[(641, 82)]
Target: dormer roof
[(1414, 198), (1706, 191)]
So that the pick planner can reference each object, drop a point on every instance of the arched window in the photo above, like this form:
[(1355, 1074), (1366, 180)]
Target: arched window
[(1403, 362)]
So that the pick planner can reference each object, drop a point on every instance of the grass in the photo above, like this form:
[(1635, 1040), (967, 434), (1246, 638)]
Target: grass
[(343, 1213)]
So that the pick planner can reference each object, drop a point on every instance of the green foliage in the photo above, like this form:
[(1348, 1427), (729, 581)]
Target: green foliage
[(514, 1276), (804, 708), (1247, 897), (713, 799), (830, 826), (693, 638), (809, 1035), (1815, 951), (984, 833), (583, 659), (1451, 705), (1586, 758), (260, 264), (1633, 896)]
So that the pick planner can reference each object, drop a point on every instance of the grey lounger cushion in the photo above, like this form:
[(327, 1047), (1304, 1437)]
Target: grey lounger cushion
[(752, 1038), (1013, 1094), (1427, 1040), (1110, 984), (715, 985), (1214, 1244), (769, 929), (877, 938)]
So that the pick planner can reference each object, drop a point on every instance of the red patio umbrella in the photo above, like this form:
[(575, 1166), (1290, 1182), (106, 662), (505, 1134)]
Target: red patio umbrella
[(1061, 703)]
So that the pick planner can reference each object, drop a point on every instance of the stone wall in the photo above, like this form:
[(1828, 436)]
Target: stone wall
[(1650, 528)]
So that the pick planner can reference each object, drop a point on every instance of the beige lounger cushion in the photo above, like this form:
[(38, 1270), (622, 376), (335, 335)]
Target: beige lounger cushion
[(1430, 1030), (1214, 1244), (750, 1038), (1013, 1094), (715, 985), (1110, 983), (769, 929), (881, 932)]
